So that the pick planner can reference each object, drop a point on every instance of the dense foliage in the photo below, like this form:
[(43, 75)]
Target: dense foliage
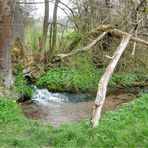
[(21, 86), (82, 76), (68, 79)]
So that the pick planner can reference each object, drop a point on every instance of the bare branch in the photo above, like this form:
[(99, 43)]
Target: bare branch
[(84, 49)]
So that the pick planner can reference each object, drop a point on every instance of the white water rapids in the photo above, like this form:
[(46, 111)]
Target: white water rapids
[(44, 97)]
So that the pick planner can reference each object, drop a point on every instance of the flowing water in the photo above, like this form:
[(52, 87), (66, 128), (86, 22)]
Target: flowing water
[(61, 108)]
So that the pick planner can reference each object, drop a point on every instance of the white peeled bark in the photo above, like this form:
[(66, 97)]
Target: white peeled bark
[(102, 86)]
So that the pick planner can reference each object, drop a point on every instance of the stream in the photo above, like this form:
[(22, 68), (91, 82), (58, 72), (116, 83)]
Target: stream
[(63, 108)]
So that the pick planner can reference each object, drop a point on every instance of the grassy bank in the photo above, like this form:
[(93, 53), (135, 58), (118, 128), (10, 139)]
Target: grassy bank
[(80, 79), (126, 127), (79, 73)]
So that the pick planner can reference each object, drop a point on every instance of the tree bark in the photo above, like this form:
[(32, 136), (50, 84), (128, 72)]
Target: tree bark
[(5, 38), (45, 25), (53, 30), (102, 86)]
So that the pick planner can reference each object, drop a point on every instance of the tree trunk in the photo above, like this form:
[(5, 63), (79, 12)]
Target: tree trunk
[(53, 30), (45, 25), (5, 38), (102, 86)]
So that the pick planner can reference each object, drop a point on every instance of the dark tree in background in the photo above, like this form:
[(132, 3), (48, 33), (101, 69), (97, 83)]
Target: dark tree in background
[(45, 25), (53, 30)]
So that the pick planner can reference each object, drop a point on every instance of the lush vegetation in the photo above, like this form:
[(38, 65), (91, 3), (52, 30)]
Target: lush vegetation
[(74, 78), (21, 86), (126, 127), (80, 75)]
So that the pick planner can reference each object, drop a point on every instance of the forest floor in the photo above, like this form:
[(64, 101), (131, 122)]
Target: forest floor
[(126, 127)]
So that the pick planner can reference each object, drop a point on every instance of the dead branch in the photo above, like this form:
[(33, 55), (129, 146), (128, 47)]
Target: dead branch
[(134, 45), (119, 33), (102, 86), (84, 49), (105, 29)]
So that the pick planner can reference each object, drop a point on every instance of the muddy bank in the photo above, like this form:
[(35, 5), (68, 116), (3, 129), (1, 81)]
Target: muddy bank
[(70, 112)]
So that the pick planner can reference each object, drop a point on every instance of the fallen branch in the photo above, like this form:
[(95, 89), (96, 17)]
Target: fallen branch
[(84, 49), (116, 33), (102, 86), (119, 33), (105, 29)]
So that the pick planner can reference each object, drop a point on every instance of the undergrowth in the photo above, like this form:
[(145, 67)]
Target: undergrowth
[(126, 127), (67, 79), (80, 75), (21, 86)]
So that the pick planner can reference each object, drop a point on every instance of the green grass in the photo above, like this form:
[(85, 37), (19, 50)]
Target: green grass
[(126, 127), (16, 130), (75, 79), (118, 79), (79, 76), (32, 38), (21, 86), (66, 79)]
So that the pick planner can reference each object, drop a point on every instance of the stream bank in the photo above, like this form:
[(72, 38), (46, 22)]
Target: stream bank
[(68, 108), (59, 108)]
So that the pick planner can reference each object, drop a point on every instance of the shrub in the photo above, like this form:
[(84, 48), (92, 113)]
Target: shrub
[(21, 86)]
